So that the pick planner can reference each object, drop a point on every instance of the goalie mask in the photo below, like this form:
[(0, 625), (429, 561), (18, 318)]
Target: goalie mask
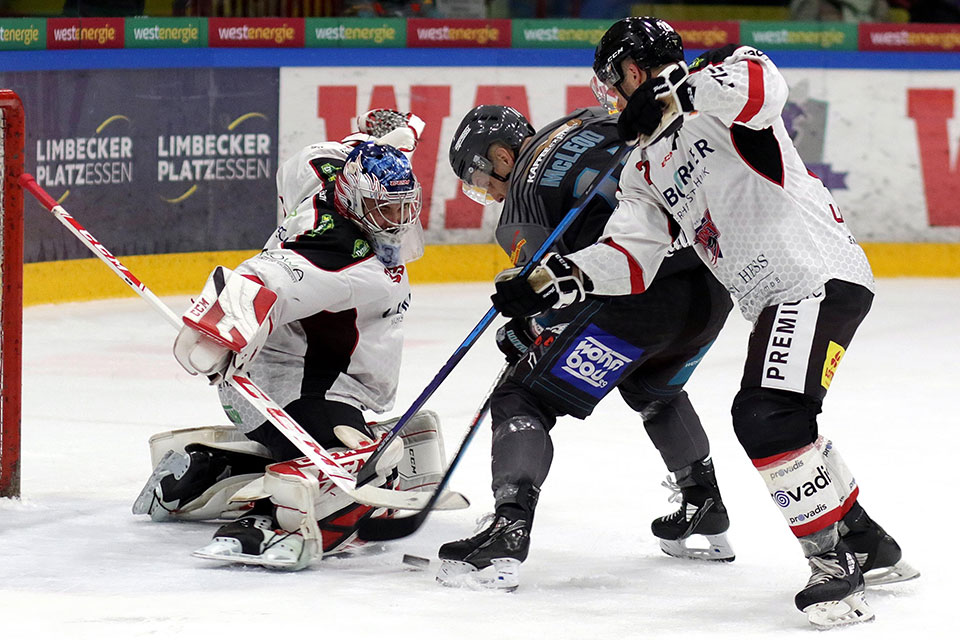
[(482, 127), (378, 191), (649, 42)]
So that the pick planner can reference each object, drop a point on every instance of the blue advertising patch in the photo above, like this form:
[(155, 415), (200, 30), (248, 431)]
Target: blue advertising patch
[(595, 361)]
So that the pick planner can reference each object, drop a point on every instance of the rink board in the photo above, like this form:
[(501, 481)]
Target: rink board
[(179, 148)]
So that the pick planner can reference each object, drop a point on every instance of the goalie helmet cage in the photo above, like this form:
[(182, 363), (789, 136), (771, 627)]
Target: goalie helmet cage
[(11, 289)]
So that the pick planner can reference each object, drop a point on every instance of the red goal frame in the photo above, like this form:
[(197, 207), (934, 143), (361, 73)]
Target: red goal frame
[(11, 304)]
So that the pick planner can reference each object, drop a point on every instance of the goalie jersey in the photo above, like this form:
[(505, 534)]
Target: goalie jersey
[(731, 182), (339, 309)]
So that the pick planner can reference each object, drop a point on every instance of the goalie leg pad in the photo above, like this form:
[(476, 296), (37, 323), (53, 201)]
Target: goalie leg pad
[(422, 463), (307, 501)]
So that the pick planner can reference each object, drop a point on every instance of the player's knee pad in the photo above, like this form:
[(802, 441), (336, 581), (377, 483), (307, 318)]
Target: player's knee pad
[(422, 464), (769, 421), (308, 501), (511, 399)]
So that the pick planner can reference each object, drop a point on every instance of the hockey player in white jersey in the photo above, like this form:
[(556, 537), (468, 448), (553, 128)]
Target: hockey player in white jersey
[(714, 163), (315, 320)]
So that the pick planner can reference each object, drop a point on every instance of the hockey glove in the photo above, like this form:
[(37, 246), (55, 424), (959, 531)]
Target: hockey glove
[(554, 283), (714, 56), (516, 337), (226, 327), (657, 106)]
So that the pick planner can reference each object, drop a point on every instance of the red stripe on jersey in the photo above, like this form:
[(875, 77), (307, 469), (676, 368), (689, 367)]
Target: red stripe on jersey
[(262, 303), (754, 92), (636, 271), (253, 278)]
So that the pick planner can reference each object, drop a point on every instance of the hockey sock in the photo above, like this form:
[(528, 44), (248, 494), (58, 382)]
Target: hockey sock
[(803, 488)]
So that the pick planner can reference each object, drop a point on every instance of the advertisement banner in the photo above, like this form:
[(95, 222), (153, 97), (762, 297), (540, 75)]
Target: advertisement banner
[(166, 32), (707, 35), (356, 32), (255, 32), (909, 37), (174, 160), (425, 32), (85, 33), (906, 116), (800, 35), (556, 34), (23, 33)]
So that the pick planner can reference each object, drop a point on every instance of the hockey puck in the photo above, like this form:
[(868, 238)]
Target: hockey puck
[(416, 562)]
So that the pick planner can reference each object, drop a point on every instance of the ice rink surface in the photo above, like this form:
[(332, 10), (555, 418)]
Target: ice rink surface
[(99, 379)]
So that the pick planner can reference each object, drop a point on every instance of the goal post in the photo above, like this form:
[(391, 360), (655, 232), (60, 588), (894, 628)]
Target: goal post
[(11, 289)]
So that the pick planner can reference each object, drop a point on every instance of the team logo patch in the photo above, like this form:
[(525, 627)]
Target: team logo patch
[(708, 235), (834, 355), (360, 248), (595, 361)]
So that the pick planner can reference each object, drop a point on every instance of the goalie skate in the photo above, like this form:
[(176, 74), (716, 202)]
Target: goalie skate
[(255, 540), (196, 484), (834, 594)]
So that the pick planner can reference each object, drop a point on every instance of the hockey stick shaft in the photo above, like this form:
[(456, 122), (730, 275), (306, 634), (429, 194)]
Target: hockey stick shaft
[(379, 529), (270, 409), (368, 470)]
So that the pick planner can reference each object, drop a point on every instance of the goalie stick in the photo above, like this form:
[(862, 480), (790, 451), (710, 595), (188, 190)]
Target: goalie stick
[(373, 496), (368, 470), (379, 529)]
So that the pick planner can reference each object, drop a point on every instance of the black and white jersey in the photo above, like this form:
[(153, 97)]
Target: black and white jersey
[(734, 185), (339, 309), (556, 166)]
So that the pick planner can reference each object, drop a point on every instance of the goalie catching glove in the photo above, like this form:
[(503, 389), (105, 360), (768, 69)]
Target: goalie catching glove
[(226, 327), (555, 283)]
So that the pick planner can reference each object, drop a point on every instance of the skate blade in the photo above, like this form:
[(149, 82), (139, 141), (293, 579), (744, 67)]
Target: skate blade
[(148, 502), (851, 610), (719, 549), (502, 575), (900, 572), (227, 557)]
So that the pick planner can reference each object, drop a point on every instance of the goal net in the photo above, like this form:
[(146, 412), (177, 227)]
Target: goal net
[(11, 289)]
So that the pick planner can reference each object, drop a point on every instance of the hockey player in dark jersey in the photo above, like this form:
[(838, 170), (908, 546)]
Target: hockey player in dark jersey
[(712, 160), (565, 363), (315, 319)]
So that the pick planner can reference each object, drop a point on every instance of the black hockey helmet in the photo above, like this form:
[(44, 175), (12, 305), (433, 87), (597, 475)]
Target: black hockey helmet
[(650, 42), (482, 127)]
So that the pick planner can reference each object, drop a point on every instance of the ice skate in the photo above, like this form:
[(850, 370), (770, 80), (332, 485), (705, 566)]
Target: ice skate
[(878, 554), (196, 484), (834, 594), (701, 514), (490, 559), (256, 540)]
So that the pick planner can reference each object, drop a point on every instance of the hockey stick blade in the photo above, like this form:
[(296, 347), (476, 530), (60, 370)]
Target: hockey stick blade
[(379, 529), (368, 470), (260, 400)]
